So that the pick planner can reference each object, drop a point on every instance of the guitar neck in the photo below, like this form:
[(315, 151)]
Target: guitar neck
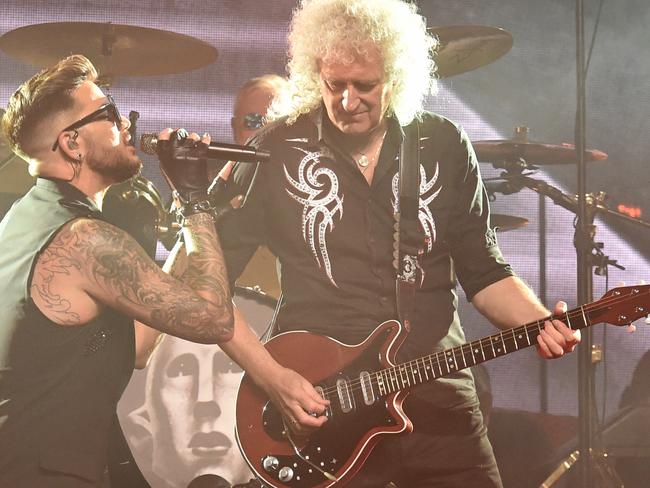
[(444, 363)]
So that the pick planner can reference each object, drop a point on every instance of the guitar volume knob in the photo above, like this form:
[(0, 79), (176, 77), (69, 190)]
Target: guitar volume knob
[(270, 464), (285, 474)]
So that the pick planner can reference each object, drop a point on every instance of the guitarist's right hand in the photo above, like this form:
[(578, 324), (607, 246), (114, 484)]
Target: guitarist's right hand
[(302, 408)]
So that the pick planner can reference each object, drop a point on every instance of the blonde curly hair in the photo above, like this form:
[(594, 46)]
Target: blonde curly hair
[(341, 30)]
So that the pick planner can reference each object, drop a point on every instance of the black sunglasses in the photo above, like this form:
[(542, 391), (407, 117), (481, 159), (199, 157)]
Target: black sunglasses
[(252, 121), (108, 111)]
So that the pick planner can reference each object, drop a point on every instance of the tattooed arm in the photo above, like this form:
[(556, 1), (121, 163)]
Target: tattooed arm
[(147, 338), (91, 264)]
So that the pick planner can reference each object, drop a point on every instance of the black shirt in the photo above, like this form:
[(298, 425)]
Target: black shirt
[(333, 233)]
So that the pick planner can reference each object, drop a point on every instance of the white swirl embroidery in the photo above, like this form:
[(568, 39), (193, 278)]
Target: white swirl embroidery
[(426, 197), (317, 191)]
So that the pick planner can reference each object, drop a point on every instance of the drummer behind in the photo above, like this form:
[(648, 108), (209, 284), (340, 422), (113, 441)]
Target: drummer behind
[(76, 291), (249, 115), (251, 104)]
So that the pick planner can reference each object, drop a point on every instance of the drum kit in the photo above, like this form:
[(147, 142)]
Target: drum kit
[(127, 50)]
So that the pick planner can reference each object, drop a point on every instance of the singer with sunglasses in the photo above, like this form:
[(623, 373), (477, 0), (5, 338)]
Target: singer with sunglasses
[(76, 292)]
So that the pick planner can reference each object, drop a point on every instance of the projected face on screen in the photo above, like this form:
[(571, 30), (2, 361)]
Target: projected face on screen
[(185, 424), (189, 413), (194, 414)]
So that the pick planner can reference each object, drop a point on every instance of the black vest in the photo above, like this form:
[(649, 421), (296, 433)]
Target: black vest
[(59, 386)]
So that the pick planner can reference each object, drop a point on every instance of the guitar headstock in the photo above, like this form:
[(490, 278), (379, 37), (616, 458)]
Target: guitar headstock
[(621, 306)]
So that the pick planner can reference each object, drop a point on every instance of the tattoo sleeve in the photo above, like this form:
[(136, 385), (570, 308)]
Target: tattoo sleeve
[(120, 274)]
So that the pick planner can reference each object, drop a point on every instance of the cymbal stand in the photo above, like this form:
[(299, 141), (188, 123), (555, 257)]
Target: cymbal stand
[(513, 181)]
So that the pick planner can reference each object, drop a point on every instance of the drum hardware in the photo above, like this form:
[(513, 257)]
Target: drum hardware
[(467, 47), (503, 223), (519, 154), (596, 204), (115, 49)]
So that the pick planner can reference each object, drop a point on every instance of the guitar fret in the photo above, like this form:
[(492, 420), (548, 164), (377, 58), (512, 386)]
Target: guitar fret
[(433, 370), (495, 343), (393, 379), (385, 375), (471, 349), (463, 355), (584, 317), (439, 365), (568, 321), (527, 336), (480, 342), (380, 383), (424, 365), (506, 337), (447, 363), (413, 371), (494, 353), (514, 338), (505, 349), (403, 374)]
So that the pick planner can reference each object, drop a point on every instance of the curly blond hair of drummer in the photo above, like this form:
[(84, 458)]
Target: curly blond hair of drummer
[(341, 30), (39, 98)]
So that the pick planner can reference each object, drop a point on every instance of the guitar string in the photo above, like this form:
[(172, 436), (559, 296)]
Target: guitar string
[(577, 313), (534, 327)]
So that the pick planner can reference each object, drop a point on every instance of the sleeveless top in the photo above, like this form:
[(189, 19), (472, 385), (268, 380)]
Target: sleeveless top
[(59, 385)]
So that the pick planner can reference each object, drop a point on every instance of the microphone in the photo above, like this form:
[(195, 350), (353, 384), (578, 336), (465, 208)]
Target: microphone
[(216, 150)]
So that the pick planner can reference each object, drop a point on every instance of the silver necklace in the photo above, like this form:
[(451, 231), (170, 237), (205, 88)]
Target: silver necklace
[(364, 162)]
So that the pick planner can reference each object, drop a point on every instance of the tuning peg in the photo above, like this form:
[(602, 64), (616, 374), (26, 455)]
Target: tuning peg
[(647, 320), (631, 328)]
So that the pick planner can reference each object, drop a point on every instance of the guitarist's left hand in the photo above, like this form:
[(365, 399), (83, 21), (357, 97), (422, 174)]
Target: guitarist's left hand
[(557, 338)]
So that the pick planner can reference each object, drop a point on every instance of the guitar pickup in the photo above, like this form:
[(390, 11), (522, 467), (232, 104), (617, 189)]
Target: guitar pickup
[(366, 388), (346, 397)]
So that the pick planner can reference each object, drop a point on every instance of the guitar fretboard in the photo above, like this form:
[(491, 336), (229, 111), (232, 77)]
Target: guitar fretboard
[(618, 307), (446, 362)]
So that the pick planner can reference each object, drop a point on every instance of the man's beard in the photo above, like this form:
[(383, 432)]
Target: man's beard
[(116, 164)]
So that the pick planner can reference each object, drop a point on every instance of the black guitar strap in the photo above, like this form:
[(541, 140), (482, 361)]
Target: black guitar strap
[(408, 238)]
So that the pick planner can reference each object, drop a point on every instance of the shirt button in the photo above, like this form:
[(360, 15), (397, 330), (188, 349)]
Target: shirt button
[(383, 299)]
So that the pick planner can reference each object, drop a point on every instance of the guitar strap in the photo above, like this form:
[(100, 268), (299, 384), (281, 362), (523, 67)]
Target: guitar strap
[(408, 238)]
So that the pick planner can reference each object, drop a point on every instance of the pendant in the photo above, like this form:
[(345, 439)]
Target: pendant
[(363, 161)]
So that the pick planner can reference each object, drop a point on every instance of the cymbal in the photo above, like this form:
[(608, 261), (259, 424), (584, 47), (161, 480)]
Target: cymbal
[(114, 49), (467, 47), (507, 222), (497, 151)]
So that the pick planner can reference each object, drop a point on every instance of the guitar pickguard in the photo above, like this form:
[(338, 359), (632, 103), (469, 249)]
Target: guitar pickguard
[(359, 415)]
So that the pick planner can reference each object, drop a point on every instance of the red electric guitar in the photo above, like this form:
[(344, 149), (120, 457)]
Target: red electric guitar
[(366, 391)]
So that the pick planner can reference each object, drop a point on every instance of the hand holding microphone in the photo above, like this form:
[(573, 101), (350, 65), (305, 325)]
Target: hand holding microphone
[(188, 178), (212, 150), (181, 162)]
